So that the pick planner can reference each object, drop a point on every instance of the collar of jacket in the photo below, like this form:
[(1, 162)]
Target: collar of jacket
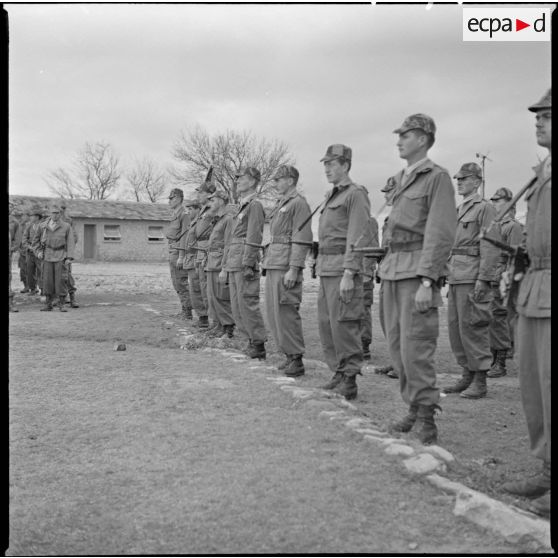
[(423, 168), (285, 199), (466, 205), (244, 202), (177, 212)]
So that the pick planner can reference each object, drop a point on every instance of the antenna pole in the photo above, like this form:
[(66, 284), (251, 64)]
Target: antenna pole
[(483, 157)]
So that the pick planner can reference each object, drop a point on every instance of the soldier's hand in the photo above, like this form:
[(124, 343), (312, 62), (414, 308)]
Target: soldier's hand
[(346, 288), (504, 284), (423, 298), (481, 287), (223, 276), (289, 279), (366, 278), (179, 263), (248, 273)]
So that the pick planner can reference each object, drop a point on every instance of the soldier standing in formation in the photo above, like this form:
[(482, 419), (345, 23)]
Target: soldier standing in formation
[(473, 269), (14, 228), (23, 219), (218, 294), (344, 224), (176, 236), (368, 273), (240, 264), (504, 318), (420, 232), (533, 326), (68, 277), (284, 261), (57, 244), (34, 265)]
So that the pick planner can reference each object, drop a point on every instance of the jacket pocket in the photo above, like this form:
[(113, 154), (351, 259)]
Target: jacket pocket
[(424, 325), (290, 296), (354, 309), (544, 290), (479, 313), (251, 287)]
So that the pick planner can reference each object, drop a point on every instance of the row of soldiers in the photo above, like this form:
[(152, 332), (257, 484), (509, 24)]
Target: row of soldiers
[(45, 240), (215, 257)]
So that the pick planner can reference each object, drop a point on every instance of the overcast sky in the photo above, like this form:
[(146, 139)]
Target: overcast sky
[(136, 75)]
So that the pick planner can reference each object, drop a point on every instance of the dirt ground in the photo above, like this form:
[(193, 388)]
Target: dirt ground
[(158, 450)]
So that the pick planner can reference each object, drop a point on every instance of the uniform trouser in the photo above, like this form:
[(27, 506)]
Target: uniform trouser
[(282, 308), (411, 337), (533, 343), (198, 291), (22, 264), (366, 322), (69, 278), (219, 299), (33, 271), (500, 333), (339, 325), (245, 304), (11, 293), (53, 279), (468, 326), (179, 278)]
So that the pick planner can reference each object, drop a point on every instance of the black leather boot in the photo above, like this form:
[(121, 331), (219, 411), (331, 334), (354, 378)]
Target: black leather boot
[(48, 304), (203, 322), (462, 384), (229, 331), (366, 348), (257, 350), (295, 367), (407, 422), (498, 366), (428, 433), (285, 363), (532, 487), (477, 389), (73, 303), (348, 387), (61, 303), (336, 379)]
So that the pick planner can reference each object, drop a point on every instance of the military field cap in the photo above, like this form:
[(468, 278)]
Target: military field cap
[(63, 205), (176, 192), (36, 210), (55, 208), (502, 194), (206, 187), (417, 121), (390, 185), (286, 171), (221, 194), (337, 151), (544, 103), (469, 169), (250, 171)]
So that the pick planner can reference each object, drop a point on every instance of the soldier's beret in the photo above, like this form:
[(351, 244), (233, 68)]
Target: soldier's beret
[(417, 121), (337, 151), (502, 194), (250, 171), (176, 192), (544, 103), (286, 171), (469, 169)]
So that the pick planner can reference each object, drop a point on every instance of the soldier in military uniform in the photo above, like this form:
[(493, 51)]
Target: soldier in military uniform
[(14, 228), (23, 217), (241, 263), (368, 273), (502, 325), (284, 261), (218, 294), (473, 269), (34, 265), (57, 242), (344, 224), (176, 236), (533, 326), (68, 277), (420, 233)]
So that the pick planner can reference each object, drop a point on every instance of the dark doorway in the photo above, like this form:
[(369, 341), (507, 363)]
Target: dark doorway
[(89, 241)]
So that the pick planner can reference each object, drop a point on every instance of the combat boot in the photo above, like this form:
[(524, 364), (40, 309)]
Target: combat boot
[(498, 366), (229, 331), (285, 363), (533, 487), (216, 331), (12, 305), (73, 303), (61, 302), (366, 348), (541, 506), (186, 314), (462, 384), (407, 422), (477, 389), (48, 304), (203, 322), (348, 387), (428, 434), (257, 350), (295, 367), (24, 290), (336, 379)]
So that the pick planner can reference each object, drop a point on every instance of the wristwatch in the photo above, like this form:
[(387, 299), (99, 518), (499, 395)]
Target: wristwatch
[(426, 282)]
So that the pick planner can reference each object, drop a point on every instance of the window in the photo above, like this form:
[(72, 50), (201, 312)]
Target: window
[(155, 233), (112, 233)]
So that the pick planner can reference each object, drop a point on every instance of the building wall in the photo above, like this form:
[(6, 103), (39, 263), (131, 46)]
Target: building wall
[(132, 246)]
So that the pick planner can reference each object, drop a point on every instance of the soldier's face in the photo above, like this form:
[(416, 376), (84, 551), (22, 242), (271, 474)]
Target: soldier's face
[(467, 185), (544, 128), (283, 184), (410, 144), (55, 215), (244, 183), (335, 171), (175, 201), (498, 204)]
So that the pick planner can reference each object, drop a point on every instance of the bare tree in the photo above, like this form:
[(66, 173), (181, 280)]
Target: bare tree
[(195, 151), (95, 174), (147, 181)]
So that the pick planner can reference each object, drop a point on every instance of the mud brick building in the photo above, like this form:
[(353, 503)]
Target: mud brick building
[(112, 230)]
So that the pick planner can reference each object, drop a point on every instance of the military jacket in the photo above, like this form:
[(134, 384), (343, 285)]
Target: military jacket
[(220, 235), (344, 223), (472, 258), (29, 235), (512, 234), (70, 221), (200, 236), (288, 246), (369, 264), (190, 241), (533, 299), (14, 228), (244, 247), (58, 243), (421, 226), (179, 224), (36, 236)]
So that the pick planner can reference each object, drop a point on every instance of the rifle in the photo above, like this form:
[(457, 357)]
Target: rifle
[(371, 252)]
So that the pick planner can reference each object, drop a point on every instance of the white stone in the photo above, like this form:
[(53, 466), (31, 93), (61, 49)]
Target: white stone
[(399, 449), (347, 405), (302, 393), (331, 414), (422, 464), (357, 422), (374, 439), (281, 380), (260, 367), (287, 387), (440, 453), (370, 431), (312, 363)]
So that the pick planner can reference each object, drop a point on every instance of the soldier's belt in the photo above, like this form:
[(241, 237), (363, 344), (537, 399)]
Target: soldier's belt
[(280, 240), (466, 251), (332, 250), (540, 262), (410, 246), (244, 241)]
